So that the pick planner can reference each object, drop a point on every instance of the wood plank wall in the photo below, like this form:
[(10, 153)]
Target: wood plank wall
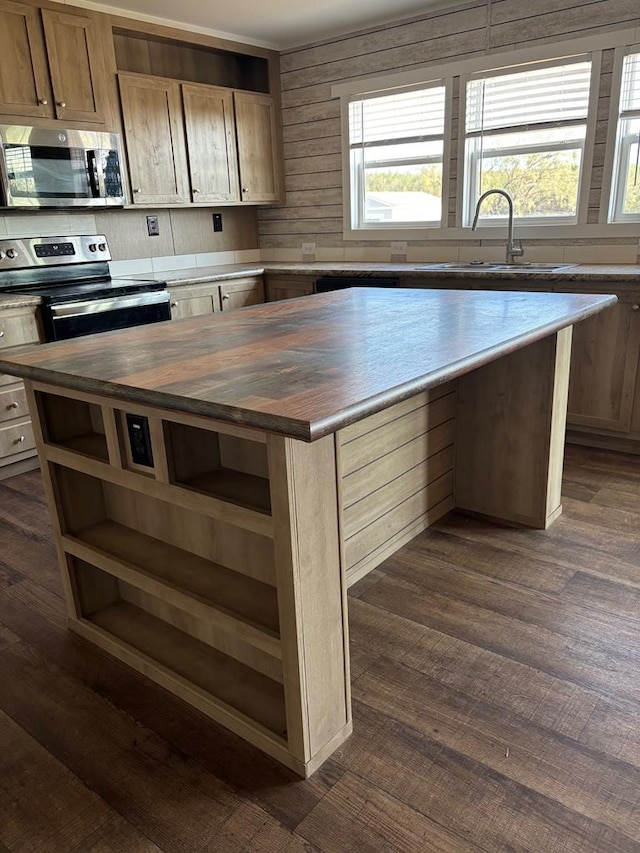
[(311, 118)]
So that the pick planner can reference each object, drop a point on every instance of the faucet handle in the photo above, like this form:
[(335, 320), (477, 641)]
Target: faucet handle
[(516, 250)]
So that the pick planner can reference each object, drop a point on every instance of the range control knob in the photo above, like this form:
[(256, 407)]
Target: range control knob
[(12, 253), (102, 247), (93, 247)]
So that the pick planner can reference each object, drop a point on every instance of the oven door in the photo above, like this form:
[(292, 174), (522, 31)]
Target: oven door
[(60, 168), (74, 319)]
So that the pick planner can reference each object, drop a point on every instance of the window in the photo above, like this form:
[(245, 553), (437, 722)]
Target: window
[(396, 149), (525, 133), (625, 195)]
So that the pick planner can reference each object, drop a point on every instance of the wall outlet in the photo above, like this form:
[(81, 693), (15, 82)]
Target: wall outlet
[(153, 226), (308, 248), (217, 222), (398, 247)]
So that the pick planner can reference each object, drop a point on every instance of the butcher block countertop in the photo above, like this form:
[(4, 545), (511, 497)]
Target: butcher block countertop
[(306, 367)]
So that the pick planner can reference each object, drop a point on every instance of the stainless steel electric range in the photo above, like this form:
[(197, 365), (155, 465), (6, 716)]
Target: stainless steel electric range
[(78, 295)]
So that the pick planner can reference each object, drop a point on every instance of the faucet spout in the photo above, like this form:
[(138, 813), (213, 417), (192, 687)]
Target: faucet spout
[(512, 250)]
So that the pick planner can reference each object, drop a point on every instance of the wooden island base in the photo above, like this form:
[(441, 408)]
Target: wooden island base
[(221, 570)]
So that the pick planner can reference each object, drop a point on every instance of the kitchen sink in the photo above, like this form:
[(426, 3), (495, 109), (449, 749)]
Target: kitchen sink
[(454, 266)]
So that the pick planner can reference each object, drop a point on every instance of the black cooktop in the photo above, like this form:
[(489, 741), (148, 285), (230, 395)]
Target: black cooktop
[(93, 289)]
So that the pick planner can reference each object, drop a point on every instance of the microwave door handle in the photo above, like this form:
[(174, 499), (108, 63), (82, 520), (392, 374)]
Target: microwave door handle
[(94, 178)]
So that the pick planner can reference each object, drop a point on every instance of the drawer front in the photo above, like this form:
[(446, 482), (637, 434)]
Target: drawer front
[(16, 329), (13, 404), (16, 438)]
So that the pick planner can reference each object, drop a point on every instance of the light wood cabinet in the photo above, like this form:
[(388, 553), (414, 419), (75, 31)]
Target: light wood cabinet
[(194, 143), (604, 368), (239, 293), (288, 287), (152, 118), (258, 155), (210, 297), (211, 142), (51, 64), (18, 326)]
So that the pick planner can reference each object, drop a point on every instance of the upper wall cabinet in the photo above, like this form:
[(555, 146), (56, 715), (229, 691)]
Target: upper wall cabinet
[(207, 114), (231, 154), (51, 64), (152, 117), (258, 149)]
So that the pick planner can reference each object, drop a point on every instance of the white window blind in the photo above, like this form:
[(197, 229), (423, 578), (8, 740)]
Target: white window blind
[(407, 115), (630, 94), (530, 97)]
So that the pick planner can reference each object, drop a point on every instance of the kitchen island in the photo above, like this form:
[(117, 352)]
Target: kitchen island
[(216, 483)]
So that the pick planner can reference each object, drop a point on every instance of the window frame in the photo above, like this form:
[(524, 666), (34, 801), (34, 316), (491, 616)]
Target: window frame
[(617, 144), (453, 71), (466, 200), (354, 188)]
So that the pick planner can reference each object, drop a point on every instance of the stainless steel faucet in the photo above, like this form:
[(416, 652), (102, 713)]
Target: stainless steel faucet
[(513, 250)]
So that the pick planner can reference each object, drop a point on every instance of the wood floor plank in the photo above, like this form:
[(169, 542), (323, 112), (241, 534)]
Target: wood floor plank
[(496, 703), (369, 821), (603, 789), (453, 790), (481, 673)]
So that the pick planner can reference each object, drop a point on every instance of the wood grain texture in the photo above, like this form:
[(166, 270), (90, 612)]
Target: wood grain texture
[(465, 739), (306, 368)]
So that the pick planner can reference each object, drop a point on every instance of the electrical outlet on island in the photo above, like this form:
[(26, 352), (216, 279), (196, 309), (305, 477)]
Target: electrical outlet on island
[(308, 252)]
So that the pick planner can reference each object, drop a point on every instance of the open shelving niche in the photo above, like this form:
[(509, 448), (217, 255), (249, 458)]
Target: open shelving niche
[(182, 595)]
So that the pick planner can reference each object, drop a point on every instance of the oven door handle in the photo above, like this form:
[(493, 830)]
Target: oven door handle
[(116, 303)]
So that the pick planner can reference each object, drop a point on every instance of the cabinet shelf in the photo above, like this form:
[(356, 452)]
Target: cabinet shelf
[(236, 603), (91, 444), (245, 490), (180, 656)]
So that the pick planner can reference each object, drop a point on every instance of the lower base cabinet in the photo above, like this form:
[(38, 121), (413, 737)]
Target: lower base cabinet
[(18, 326), (192, 300)]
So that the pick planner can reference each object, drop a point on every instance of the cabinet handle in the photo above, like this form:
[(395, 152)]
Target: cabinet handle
[(137, 190), (19, 439), (1, 334), (635, 307), (195, 191), (43, 102), (245, 189), (13, 405), (174, 304), (225, 296), (62, 104)]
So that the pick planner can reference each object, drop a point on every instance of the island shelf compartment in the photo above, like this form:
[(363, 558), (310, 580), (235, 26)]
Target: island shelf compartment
[(159, 641), (193, 563), (74, 424), (225, 466)]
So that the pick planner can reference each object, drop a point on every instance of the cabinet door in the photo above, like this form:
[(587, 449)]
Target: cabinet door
[(241, 292), (211, 143), (288, 287), (76, 63), (24, 77), (152, 117), (192, 306), (604, 366), (258, 150)]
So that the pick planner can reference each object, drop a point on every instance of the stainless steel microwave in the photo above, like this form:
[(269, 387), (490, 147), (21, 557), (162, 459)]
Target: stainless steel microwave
[(44, 167)]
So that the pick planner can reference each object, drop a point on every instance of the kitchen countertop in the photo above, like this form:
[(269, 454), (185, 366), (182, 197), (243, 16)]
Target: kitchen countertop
[(306, 367), (225, 272)]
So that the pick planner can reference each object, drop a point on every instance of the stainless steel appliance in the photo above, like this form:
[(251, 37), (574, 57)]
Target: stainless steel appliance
[(41, 167), (78, 296)]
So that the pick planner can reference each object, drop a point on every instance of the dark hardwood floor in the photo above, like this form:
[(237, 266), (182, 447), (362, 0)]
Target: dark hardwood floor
[(496, 688)]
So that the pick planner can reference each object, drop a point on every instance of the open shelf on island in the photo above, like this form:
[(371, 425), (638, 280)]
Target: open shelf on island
[(223, 466), (73, 424), (184, 574), (226, 680)]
